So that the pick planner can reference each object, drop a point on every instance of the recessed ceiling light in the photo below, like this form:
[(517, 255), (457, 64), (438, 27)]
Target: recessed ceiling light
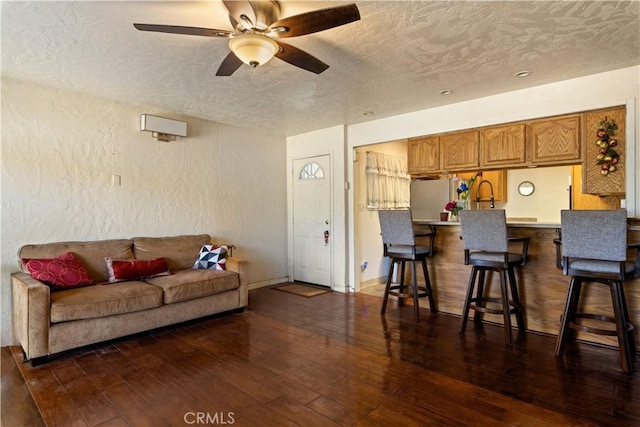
[(446, 92), (523, 73)]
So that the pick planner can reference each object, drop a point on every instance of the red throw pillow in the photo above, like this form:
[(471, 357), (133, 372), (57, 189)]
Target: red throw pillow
[(65, 271), (132, 269)]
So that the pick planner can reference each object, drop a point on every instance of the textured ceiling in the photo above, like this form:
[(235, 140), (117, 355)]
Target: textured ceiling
[(396, 59)]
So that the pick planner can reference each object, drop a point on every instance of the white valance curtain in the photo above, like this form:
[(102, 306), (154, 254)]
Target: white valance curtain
[(388, 182)]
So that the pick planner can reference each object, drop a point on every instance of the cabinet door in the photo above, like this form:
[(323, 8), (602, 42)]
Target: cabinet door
[(554, 141), (424, 155), (459, 150), (502, 146), (498, 180)]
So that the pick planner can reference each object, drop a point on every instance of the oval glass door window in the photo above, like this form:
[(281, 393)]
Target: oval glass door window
[(526, 188)]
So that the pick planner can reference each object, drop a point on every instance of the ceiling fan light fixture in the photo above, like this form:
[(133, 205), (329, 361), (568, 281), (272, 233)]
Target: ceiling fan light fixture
[(253, 49)]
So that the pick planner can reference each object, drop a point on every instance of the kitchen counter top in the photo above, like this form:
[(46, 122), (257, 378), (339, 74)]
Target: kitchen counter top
[(634, 223), (527, 224)]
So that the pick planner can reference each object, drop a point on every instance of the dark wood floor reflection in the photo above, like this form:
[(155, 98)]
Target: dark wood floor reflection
[(325, 361)]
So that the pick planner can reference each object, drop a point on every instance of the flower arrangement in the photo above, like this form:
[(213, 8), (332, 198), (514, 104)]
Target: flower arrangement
[(463, 190), (608, 157), (453, 207)]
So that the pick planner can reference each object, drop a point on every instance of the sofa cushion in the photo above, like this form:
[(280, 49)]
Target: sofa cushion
[(212, 257), (188, 284), (62, 272), (179, 251), (101, 300), (121, 270), (91, 254)]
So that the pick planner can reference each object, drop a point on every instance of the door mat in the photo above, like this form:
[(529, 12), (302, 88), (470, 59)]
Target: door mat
[(302, 290)]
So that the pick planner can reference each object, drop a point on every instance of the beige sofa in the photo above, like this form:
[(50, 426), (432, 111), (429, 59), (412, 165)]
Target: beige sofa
[(46, 322)]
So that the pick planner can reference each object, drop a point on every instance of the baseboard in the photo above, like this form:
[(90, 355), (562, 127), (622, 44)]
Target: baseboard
[(270, 282), (375, 281)]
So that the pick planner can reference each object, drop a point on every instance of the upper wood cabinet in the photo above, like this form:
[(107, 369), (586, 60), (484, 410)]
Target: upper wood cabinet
[(459, 150), (502, 146), (550, 141), (554, 141), (424, 155)]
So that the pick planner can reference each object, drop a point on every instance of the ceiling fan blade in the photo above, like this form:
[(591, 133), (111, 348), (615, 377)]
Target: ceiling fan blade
[(241, 11), (229, 65), (177, 29), (314, 21), (300, 58)]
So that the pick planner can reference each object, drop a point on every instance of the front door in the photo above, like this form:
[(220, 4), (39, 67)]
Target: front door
[(312, 240)]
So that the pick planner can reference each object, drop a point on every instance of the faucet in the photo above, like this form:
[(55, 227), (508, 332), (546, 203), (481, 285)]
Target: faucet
[(493, 205)]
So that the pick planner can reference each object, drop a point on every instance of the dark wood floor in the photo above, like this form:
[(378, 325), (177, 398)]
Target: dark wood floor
[(328, 360)]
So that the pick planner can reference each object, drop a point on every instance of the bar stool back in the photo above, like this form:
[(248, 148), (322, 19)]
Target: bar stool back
[(400, 245), (594, 250), (486, 248)]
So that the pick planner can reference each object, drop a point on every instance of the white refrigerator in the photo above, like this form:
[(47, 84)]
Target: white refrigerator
[(429, 197)]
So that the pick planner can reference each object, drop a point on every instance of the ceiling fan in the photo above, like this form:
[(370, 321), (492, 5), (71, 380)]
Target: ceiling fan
[(256, 24)]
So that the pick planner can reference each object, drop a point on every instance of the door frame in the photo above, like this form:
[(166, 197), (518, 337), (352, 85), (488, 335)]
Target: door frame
[(331, 142)]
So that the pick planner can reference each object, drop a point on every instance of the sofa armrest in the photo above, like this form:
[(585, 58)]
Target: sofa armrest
[(240, 266), (31, 307)]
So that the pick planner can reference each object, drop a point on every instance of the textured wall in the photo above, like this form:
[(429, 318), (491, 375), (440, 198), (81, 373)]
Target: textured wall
[(60, 150)]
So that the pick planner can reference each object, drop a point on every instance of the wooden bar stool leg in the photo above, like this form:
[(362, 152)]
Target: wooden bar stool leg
[(515, 297), (414, 283), (478, 315), (632, 339), (467, 301), (427, 285), (626, 359), (569, 314), (506, 311), (401, 284), (388, 285)]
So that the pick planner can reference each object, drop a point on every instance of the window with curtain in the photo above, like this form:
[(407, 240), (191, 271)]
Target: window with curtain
[(388, 182)]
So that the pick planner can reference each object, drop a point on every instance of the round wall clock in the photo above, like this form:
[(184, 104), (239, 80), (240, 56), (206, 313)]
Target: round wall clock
[(526, 188)]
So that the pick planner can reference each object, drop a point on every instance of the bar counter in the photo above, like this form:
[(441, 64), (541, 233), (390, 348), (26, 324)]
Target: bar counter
[(542, 286)]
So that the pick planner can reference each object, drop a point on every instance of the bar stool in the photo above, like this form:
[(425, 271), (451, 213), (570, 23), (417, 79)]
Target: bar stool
[(486, 248), (594, 250), (399, 244)]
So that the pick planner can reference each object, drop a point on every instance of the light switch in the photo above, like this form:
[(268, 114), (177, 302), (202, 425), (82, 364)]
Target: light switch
[(116, 180)]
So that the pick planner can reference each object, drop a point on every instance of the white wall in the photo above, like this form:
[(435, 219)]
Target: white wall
[(60, 149), (612, 88), (368, 243), (329, 141), (551, 193)]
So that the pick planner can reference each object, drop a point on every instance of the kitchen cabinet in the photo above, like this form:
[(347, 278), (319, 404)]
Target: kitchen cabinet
[(459, 150), (503, 146), (550, 141), (554, 141), (498, 180), (593, 180), (423, 156)]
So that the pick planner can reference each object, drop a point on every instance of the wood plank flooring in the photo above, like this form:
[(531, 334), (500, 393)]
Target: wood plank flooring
[(331, 360)]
